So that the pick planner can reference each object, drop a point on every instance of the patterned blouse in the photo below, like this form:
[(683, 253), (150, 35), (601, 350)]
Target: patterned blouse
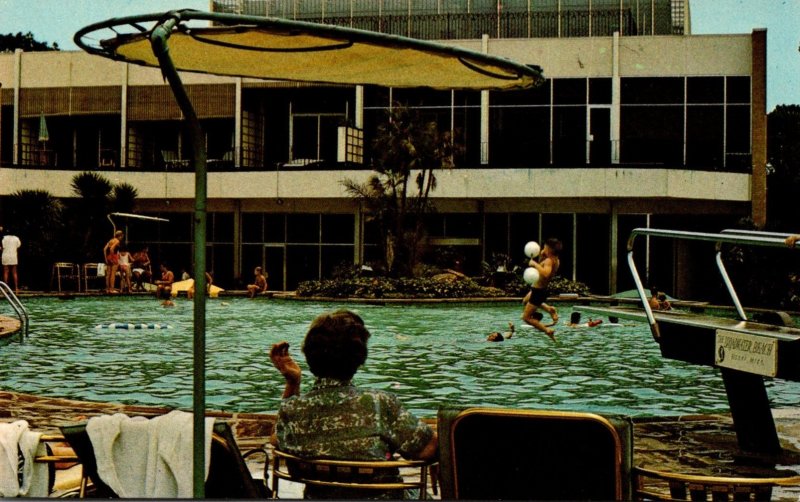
[(339, 421)]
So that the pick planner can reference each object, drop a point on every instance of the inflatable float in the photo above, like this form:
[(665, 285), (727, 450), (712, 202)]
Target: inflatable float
[(134, 325), (179, 286)]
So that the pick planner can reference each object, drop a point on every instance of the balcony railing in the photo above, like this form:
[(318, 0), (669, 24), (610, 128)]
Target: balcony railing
[(500, 21)]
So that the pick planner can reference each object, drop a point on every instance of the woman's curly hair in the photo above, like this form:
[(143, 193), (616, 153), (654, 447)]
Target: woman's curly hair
[(336, 345)]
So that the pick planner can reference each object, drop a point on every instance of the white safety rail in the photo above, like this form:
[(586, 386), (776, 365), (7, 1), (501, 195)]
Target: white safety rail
[(728, 236), (18, 307)]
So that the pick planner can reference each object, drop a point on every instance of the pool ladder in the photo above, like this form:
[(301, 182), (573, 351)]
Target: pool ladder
[(19, 309)]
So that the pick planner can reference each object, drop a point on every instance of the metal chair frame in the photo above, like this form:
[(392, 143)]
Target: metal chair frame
[(68, 271), (318, 472), (697, 487)]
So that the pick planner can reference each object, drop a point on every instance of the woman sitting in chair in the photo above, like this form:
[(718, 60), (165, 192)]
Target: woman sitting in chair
[(335, 419)]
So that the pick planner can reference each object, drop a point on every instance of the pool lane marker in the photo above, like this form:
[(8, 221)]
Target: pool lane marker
[(138, 325)]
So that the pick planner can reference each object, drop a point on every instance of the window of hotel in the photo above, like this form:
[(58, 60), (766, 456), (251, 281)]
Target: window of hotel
[(600, 91), (704, 136), (519, 136), (651, 120), (705, 122), (6, 133), (177, 229), (496, 235), (333, 257), (252, 227), (569, 121), (650, 91), (302, 264), (591, 258), (569, 135), (569, 91), (219, 227), (338, 228), (737, 138), (738, 90), (467, 127), (274, 228), (524, 228), (705, 90), (315, 136), (651, 135), (462, 225), (737, 124), (519, 124), (302, 228), (559, 225)]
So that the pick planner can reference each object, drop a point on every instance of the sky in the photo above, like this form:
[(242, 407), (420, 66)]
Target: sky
[(58, 20)]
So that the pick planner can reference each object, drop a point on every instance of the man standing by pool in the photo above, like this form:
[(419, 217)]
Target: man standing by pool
[(547, 266)]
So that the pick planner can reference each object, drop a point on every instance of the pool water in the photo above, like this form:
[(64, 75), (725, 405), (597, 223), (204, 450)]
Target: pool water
[(429, 355)]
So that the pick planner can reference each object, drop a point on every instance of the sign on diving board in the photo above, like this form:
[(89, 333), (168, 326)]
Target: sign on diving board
[(746, 352)]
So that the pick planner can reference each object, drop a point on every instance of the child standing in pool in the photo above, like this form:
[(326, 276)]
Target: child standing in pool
[(547, 266)]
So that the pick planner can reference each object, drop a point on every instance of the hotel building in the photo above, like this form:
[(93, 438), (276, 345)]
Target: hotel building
[(639, 123)]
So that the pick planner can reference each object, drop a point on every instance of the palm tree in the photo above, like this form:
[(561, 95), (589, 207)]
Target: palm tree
[(403, 145), (36, 216), (96, 198)]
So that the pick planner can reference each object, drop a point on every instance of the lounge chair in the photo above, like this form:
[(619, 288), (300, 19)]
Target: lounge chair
[(228, 475), (494, 453)]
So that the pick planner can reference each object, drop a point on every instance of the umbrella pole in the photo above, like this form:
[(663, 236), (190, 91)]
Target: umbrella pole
[(158, 40)]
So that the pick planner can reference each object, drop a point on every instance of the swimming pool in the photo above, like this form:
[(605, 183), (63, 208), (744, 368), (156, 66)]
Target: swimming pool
[(429, 355)]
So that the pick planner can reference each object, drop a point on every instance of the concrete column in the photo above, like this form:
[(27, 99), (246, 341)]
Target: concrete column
[(615, 99), (123, 118), (758, 179), (358, 240), (485, 111), (358, 120), (237, 125), (237, 238), (613, 249), (17, 82)]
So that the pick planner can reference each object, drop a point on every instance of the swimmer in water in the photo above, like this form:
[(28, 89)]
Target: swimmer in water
[(499, 337), (575, 321)]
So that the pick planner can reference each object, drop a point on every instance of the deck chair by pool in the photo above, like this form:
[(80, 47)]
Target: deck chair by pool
[(64, 273), (59, 458), (493, 453), (356, 477), (650, 484), (228, 475)]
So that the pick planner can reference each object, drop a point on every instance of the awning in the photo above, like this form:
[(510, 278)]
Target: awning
[(281, 49)]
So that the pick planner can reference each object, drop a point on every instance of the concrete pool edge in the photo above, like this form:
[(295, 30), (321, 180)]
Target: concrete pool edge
[(651, 443)]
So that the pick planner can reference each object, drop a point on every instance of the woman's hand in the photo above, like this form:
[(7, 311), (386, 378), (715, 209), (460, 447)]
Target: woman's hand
[(279, 355)]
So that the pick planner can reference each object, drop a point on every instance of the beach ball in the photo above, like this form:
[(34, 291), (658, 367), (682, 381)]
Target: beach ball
[(532, 249), (531, 275)]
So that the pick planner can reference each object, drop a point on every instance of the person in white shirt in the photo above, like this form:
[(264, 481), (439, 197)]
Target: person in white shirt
[(10, 244)]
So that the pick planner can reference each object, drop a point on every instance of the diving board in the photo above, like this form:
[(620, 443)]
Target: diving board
[(745, 351)]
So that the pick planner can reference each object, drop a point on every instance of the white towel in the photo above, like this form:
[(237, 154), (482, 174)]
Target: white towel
[(141, 458), (101, 270), (14, 438)]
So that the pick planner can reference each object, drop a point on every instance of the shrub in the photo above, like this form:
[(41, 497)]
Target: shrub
[(350, 284)]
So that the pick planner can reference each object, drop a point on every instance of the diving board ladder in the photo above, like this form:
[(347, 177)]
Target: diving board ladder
[(18, 307)]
